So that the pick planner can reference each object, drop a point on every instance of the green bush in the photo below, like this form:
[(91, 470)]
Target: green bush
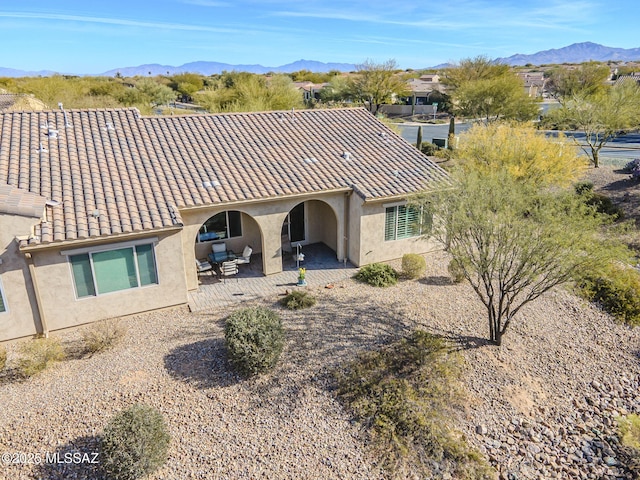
[(617, 290), (455, 272), (378, 275), (413, 265), (37, 355), (135, 443), (103, 335), (3, 357), (602, 203), (255, 339), (429, 149), (406, 394), (297, 300)]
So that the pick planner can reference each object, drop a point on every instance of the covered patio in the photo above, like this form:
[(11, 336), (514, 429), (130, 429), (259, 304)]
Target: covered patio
[(249, 283)]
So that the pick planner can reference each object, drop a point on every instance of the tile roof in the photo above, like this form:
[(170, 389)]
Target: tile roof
[(16, 201), (114, 171)]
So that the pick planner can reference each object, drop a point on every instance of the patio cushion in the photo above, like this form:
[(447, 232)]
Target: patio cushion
[(219, 252)]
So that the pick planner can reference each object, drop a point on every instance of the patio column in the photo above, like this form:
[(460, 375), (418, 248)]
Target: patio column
[(271, 226)]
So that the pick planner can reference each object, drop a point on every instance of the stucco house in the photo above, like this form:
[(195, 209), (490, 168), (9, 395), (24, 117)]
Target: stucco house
[(103, 212)]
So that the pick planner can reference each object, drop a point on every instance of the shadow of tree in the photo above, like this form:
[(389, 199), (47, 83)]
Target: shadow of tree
[(440, 280), (465, 342), (203, 364), (321, 338), (79, 458)]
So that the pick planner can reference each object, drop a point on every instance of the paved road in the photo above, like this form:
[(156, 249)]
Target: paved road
[(621, 149)]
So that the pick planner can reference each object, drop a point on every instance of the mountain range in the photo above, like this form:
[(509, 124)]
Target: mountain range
[(575, 53)]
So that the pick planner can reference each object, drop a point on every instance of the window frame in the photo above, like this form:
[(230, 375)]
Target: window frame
[(3, 298), (227, 227), (396, 206), (90, 251)]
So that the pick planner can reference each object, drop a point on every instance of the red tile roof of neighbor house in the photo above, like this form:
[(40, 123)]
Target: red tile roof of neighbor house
[(113, 171)]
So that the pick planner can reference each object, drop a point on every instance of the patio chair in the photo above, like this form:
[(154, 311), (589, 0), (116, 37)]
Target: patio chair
[(246, 255), (219, 251), (228, 269), (203, 266)]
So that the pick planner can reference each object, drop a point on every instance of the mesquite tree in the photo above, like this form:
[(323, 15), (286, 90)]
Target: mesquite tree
[(512, 240)]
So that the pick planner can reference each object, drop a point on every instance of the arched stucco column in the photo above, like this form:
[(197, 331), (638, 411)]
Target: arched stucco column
[(271, 227)]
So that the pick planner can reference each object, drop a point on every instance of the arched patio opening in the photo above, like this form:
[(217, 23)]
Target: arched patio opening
[(310, 228), (236, 230)]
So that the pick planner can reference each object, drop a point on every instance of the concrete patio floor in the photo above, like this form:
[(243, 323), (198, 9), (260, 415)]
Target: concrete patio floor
[(250, 284)]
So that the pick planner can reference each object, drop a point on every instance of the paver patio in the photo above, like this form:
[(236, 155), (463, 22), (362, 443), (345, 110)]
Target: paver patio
[(249, 284)]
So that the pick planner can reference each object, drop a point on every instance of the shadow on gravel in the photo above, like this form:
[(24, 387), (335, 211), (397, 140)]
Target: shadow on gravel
[(465, 342), (319, 340), (622, 184), (203, 364), (440, 280), (78, 458)]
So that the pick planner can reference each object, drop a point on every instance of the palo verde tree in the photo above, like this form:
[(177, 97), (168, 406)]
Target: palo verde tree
[(481, 88), (600, 117), (524, 152), (376, 83)]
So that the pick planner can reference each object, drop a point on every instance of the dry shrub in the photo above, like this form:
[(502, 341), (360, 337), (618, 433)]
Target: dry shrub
[(103, 335)]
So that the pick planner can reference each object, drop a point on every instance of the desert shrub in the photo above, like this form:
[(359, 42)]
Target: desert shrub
[(413, 265), (255, 339), (602, 203), (455, 272), (103, 335), (37, 355), (135, 443), (632, 166), (297, 300), (3, 357), (616, 289), (429, 149), (629, 427), (406, 394), (378, 275), (583, 187)]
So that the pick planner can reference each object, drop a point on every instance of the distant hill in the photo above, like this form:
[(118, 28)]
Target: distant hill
[(575, 53), (210, 68), (204, 68)]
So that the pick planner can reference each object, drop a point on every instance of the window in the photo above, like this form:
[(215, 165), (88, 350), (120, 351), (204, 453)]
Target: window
[(3, 304), (223, 225), (404, 222), (96, 273)]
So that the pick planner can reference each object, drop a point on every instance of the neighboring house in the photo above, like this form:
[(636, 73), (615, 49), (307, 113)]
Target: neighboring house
[(310, 91), (103, 212), (534, 83), (420, 102)]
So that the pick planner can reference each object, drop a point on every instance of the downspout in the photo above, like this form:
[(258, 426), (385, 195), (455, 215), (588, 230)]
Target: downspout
[(32, 273), (347, 205)]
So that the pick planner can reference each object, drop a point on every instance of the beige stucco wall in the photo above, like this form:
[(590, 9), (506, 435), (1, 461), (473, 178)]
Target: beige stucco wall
[(322, 224), (367, 241), (21, 318), (61, 309), (268, 217)]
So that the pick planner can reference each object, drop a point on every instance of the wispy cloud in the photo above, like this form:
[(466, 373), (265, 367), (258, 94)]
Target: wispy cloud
[(117, 21), (559, 14)]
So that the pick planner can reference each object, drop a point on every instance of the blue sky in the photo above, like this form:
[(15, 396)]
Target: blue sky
[(90, 36)]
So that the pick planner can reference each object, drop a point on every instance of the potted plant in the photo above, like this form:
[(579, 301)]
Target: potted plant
[(301, 277)]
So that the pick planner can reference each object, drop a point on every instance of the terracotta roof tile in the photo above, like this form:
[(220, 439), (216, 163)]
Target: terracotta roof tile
[(116, 172)]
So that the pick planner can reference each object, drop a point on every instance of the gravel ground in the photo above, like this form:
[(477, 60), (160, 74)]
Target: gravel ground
[(564, 366), (541, 406)]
